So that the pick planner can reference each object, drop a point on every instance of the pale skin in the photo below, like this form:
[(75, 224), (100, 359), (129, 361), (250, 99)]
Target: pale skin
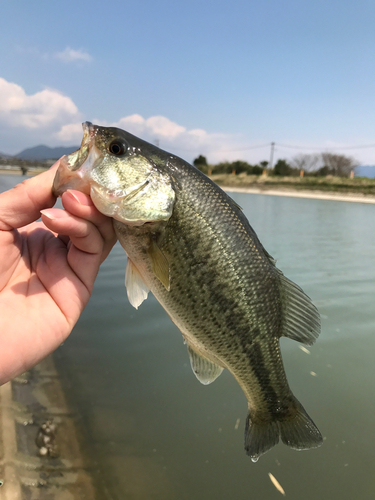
[(47, 268)]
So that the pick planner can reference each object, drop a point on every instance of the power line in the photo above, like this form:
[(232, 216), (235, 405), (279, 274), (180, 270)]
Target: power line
[(246, 148), (273, 145), (290, 146), (326, 148)]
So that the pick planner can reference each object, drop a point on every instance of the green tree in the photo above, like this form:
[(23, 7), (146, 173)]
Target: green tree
[(201, 164), (224, 167), (323, 172), (282, 168), (200, 161), (240, 166), (258, 170)]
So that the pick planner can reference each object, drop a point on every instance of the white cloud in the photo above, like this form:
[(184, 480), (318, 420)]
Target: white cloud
[(48, 117), (38, 111), (72, 55), (177, 139), (67, 56), (70, 133)]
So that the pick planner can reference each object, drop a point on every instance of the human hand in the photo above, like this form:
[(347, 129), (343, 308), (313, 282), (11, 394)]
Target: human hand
[(47, 268)]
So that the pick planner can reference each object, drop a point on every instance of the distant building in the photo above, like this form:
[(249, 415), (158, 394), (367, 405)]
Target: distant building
[(365, 171)]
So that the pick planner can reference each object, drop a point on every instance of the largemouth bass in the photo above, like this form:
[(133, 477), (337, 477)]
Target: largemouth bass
[(190, 244)]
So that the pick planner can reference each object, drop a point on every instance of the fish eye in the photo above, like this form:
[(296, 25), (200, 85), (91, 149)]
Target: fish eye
[(117, 148)]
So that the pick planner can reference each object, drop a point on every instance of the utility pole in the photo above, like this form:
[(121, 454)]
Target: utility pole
[(271, 157)]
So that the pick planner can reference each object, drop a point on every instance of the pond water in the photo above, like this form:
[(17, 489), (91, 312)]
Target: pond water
[(151, 431)]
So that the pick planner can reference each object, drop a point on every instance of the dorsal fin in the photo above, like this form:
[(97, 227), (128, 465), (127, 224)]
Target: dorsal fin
[(269, 257), (237, 205), (205, 371), (135, 286)]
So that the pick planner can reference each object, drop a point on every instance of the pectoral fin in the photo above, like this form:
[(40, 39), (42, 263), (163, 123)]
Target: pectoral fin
[(135, 286), (205, 371), (159, 264)]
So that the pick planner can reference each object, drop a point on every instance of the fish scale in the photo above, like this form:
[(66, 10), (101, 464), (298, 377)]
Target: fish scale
[(191, 245)]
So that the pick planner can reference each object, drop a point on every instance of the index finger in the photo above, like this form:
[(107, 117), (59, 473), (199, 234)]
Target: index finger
[(22, 204)]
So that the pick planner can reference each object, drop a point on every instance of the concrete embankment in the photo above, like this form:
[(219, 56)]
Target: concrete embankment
[(294, 193), (40, 457)]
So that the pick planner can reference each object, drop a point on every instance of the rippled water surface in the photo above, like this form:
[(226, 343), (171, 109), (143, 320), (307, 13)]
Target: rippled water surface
[(152, 431)]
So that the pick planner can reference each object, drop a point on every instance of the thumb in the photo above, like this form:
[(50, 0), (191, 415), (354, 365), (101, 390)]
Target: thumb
[(22, 204)]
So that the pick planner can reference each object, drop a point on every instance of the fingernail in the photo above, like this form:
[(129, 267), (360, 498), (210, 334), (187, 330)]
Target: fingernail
[(47, 214), (54, 213), (74, 196), (79, 197)]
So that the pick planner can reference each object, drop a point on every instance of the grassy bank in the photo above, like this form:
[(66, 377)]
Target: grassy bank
[(340, 185), (329, 184)]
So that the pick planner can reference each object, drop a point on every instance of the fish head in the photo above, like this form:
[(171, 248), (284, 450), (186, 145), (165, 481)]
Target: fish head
[(121, 173)]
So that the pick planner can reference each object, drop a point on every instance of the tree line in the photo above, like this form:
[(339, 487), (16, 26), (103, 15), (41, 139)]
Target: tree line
[(319, 164)]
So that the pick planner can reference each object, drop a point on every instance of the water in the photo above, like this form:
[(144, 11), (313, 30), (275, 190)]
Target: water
[(151, 431)]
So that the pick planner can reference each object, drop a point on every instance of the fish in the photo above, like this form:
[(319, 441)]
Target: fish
[(191, 245)]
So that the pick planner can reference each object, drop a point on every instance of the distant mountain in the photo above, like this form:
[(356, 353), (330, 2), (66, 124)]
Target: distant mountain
[(45, 152), (365, 171), (3, 155)]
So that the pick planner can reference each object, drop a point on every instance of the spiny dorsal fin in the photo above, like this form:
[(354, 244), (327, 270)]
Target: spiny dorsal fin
[(238, 206), (205, 371), (135, 286), (301, 319), (159, 264), (269, 257)]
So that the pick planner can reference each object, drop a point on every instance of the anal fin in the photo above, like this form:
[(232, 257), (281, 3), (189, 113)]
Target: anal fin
[(205, 371), (135, 286)]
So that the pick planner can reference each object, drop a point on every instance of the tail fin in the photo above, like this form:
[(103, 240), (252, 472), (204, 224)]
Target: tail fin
[(299, 432), (260, 437)]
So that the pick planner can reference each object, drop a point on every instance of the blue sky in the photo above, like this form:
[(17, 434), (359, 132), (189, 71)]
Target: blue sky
[(210, 77)]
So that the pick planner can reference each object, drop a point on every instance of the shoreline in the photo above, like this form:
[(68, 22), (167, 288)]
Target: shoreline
[(352, 197), (304, 193), (30, 173)]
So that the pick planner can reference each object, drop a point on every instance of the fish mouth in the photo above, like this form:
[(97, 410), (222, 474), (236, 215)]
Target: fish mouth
[(89, 133), (70, 174)]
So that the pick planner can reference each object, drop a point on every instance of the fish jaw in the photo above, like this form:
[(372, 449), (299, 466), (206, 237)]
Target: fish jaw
[(66, 179), (75, 169)]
